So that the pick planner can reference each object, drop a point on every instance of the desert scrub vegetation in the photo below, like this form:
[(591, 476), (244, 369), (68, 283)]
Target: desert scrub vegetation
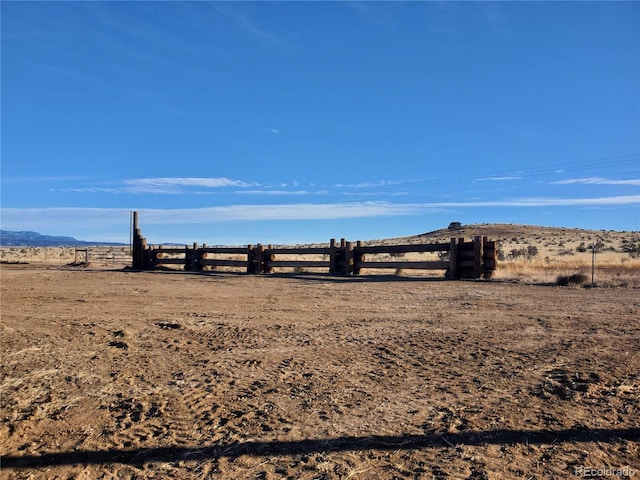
[(631, 246), (576, 279), (529, 252)]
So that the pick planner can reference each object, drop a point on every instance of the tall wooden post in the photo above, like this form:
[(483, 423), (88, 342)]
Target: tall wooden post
[(195, 259), (250, 259), (136, 255), (333, 257), (358, 258), (342, 257), (489, 263), (348, 258), (453, 259), (262, 266), (477, 256)]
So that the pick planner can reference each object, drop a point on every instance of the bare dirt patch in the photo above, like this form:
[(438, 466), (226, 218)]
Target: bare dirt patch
[(111, 374)]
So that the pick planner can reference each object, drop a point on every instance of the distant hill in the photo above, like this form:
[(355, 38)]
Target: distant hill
[(507, 231), (35, 239), (550, 240)]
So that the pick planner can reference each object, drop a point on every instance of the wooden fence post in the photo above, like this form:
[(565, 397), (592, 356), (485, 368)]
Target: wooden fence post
[(477, 257), (139, 254), (333, 257), (265, 259), (250, 259), (348, 258), (197, 258), (453, 259), (340, 258), (188, 259), (255, 262), (489, 258), (260, 266), (358, 258)]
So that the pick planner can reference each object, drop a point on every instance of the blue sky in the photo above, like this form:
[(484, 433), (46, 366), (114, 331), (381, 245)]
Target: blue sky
[(287, 122)]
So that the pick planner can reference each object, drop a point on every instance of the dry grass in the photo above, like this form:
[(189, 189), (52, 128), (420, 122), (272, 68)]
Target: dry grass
[(624, 273)]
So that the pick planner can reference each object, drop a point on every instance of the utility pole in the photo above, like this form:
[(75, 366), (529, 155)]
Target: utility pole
[(593, 264)]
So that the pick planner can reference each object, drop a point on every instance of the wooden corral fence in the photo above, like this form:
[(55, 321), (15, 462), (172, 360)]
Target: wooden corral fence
[(103, 255), (475, 258)]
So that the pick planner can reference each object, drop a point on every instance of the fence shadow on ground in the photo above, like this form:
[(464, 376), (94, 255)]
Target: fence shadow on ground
[(310, 276), (144, 455)]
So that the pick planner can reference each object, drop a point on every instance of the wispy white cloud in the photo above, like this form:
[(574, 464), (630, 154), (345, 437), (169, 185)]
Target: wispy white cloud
[(548, 202), (187, 182), (301, 211), (158, 185), (597, 181), (21, 218), (89, 190), (370, 193), (499, 179), (278, 192), (381, 183), (174, 185), (33, 218)]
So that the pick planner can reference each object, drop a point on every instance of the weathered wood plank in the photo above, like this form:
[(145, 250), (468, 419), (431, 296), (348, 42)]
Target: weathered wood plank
[(417, 248), (453, 259), (435, 265), (224, 250), (477, 265), (168, 261), (299, 251), (297, 263), (223, 262)]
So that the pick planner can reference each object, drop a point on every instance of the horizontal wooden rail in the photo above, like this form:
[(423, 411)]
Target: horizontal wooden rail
[(168, 261), (435, 265), (299, 251), (224, 250), (222, 262), (297, 263), (169, 250), (394, 249)]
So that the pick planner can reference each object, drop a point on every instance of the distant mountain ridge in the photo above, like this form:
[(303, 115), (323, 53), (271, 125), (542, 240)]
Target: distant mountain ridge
[(34, 239)]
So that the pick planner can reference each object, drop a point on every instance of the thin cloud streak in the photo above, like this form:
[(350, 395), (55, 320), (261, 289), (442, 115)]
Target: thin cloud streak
[(303, 211), (381, 183), (161, 185), (89, 190), (499, 179), (13, 218), (597, 181), (549, 202), (210, 182), (279, 192), (176, 185)]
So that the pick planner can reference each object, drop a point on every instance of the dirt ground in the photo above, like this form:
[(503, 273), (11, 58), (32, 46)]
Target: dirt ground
[(109, 374)]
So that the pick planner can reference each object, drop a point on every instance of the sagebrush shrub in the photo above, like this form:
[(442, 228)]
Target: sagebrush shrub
[(571, 280)]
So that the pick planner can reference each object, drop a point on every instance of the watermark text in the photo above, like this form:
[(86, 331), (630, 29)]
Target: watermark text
[(600, 472)]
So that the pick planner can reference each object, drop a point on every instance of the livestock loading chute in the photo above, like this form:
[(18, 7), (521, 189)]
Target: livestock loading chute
[(460, 258)]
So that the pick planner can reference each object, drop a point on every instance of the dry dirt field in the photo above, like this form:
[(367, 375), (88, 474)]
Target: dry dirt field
[(114, 374), (109, 374)]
